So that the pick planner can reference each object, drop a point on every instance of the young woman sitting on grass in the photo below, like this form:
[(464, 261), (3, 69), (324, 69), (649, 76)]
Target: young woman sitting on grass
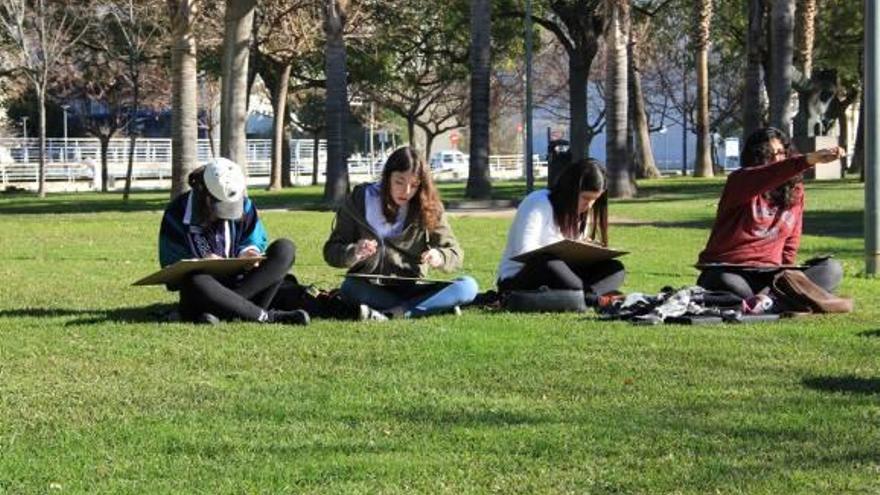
[(397, 227), (575, 205), (216, 219), (760, 216)]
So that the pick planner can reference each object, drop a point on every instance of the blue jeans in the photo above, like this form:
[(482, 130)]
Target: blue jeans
[(412, 301)]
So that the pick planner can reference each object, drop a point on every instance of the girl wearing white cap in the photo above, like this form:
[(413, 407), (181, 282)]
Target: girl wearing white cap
[(216, 219)]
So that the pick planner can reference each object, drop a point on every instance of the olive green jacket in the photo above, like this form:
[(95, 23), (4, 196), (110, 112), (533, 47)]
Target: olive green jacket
[(399, 255)]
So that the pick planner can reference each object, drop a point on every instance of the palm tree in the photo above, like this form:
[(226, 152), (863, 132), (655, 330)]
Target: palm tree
[(702, 23), (805, 35), (184, 91), (782, 50), (239, 20), (620, 184), (753, 101), (336, 187), (479, 185)]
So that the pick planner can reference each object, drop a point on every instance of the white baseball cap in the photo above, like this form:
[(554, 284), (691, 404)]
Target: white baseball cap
[(226, 183)]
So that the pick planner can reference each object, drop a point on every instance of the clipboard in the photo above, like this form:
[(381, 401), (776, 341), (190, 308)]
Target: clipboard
[(221, 267), (573, 252), (396, 281)]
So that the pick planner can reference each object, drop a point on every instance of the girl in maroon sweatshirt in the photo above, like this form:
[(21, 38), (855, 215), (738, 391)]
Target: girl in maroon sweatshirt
[(760, 217)]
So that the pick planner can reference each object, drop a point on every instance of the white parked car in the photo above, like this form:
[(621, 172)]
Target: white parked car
[(450, 160)]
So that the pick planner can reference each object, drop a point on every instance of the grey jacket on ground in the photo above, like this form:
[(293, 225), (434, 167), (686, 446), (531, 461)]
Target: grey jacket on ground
[(399, 255)]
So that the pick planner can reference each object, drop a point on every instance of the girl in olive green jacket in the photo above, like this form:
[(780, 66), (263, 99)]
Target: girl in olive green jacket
[(397, 227)]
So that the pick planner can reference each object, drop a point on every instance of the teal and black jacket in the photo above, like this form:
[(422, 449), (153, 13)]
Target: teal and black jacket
[(182, 236)]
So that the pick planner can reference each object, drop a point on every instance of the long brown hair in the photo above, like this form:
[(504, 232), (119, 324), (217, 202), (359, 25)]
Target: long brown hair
[(585, 175), (758, 151), (204, 202), (426, 202)]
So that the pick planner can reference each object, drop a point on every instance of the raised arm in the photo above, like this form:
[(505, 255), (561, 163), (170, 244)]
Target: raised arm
[(746, 183)]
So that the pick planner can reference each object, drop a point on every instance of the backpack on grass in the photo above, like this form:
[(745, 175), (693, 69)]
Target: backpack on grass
[(292, 295), (794, 291)]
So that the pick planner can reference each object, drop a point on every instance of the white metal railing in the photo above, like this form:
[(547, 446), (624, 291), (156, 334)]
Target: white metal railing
[(514, 163), (78, 159)]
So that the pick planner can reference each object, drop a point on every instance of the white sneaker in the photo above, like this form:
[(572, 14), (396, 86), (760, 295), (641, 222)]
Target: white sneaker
[(366, 313)]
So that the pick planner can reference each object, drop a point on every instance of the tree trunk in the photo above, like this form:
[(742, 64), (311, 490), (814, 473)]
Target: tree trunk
[(41, 101), (588, 139), (239, 21), (129, 171), (577, 94), (315, 162), (805, 35), (429, 142), (781, 52), (105, 146), (132, 138), (647, 168), (753, 109), (843, 127), (411, 131), (620, 184), (184, 95), (479, 183), (336, 186), (285, 153), (278, 127), (702, 24), (857, 162)]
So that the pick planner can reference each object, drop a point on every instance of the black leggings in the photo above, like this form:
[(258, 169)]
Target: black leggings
[(599, 278), (244, 297), (826, 273)]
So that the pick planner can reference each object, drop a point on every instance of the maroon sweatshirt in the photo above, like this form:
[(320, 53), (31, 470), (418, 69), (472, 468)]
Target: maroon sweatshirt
[(748, 229)]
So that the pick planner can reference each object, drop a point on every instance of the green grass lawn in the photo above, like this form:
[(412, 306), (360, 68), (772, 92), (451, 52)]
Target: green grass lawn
[(95, 396)]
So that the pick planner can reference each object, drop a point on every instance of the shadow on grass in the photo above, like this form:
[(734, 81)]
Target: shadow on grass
[(154, 313), (846, 223), (844, 384), (869, 333), (676, 189), (305, 198), (31, 204)]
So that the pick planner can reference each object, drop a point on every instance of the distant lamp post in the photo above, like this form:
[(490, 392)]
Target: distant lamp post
[(64, 109)]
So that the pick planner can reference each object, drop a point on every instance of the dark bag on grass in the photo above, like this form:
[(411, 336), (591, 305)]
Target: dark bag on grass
[(545, 300), (292, 295), (794, 291)]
